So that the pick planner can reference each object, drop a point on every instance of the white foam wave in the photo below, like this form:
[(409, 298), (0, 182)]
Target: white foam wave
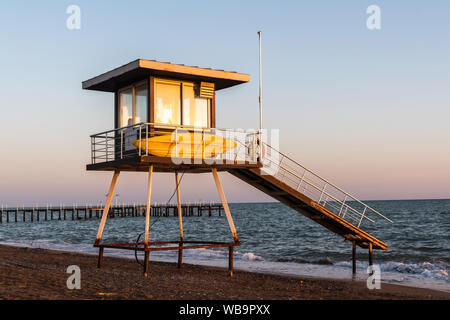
[(251, 257), (424, 270)]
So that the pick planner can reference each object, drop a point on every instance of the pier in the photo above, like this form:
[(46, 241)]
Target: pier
[(88, 212)]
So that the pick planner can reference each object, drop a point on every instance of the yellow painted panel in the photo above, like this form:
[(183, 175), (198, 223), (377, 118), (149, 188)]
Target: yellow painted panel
[(185, 145)]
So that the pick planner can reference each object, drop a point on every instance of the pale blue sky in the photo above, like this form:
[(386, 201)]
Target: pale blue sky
[(367, 109)]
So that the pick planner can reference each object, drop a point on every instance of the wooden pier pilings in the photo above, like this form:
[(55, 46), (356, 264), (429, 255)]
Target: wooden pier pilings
[(87, 212)]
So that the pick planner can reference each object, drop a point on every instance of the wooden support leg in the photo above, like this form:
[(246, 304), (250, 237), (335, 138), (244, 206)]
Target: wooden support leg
[(370, 254), (230, 260), (100, 257), (106, 208), (225, 205), (147, 220), (354, 257), (180, 255), (104, 216), (146, 263), (180, 221)]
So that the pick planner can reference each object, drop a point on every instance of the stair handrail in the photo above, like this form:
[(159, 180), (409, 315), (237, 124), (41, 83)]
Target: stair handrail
[(327, 182), (331, 196)]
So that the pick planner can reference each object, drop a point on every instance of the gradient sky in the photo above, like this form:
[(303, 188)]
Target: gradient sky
[(368, 110)]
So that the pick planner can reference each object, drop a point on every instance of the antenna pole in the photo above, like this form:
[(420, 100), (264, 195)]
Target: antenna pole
[(260, 84)]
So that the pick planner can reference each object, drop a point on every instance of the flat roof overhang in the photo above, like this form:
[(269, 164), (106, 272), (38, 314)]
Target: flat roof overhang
[(139, 69)]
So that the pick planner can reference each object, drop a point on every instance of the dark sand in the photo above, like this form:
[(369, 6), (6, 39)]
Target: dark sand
[(41, 274)]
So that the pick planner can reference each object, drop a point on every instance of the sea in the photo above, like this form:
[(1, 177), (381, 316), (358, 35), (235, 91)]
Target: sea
[(275, 239)]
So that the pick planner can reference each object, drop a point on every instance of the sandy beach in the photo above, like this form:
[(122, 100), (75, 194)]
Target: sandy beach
[(27, 273)]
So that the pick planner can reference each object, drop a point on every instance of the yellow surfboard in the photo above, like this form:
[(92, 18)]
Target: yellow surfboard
[(185, 145)]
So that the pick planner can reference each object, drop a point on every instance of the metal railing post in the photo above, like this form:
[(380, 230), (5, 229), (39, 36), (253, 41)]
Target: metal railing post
[(176, 142), (279, 164), (92, 150), (203, 144), (325, 201), (146, 139), (321, 195), (362, 216), (301, 180), (345, 211), (255, 152), (140, 141), (342, 207), (106, 141), (121, 144)]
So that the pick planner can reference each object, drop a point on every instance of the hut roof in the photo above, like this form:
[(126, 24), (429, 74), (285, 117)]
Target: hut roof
[(140, 68)]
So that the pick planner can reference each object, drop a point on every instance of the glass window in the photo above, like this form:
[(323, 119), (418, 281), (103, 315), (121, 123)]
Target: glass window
[(195, 110), (167, 103), (126, 107), (141, 107), (171, 109), (133, 110)]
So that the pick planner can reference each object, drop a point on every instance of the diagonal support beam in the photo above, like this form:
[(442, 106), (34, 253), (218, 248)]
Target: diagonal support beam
[(147, 219), (147, 211), (107, 206), (225, 205), (180, 221)]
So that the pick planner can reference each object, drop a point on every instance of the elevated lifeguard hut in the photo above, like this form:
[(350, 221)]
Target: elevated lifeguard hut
[(165, 121)]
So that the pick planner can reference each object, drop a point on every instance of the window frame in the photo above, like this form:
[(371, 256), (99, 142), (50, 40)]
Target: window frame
[(181, 83), (133, 87), (170, 82)]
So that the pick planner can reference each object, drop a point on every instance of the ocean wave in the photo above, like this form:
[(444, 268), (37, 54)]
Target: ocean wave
[(222, 254), (251, 257), (291, 259), (424, 270), (323, 261)]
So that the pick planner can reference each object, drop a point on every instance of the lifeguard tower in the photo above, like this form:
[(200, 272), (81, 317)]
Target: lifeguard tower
[(165, 121)]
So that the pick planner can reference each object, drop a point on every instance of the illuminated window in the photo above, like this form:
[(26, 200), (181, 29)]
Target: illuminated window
[(133, 104), (167, 102), (126, 107), (196, 111), (141, 107), (176, 103)]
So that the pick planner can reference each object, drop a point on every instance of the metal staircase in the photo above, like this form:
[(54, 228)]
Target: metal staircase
[(292, 184)]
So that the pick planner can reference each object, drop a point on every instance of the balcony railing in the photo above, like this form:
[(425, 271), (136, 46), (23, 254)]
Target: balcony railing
[(212, 145)]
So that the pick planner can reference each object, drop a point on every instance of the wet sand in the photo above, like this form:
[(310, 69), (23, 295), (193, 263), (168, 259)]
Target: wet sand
[(41, 274)]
